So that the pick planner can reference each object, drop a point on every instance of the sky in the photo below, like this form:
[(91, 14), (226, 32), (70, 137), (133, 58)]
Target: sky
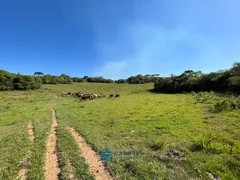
[(118, 38)]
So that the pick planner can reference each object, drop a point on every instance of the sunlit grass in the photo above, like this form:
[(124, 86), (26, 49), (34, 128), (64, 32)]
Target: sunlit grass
[(138, 121), (17, 110), (153, 124)]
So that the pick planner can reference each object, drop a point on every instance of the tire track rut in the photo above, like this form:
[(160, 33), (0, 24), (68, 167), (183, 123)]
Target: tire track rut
[(96, 166), (22, 174), (51, 168)]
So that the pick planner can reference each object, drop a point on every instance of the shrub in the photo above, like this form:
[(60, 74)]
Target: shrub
[(220, 102), (10, 81), (203, 144), (22, 82), (226, 104), (204, 97), (6, 79)]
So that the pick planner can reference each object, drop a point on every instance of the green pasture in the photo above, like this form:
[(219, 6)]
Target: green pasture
[(155, 125)]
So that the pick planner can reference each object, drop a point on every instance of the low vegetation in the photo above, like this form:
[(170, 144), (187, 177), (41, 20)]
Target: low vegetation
[(176, 137), (17, 109), (71, 162), (219, 102)]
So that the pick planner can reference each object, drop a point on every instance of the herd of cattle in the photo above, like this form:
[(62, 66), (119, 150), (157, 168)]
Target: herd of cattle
[(90, 96)]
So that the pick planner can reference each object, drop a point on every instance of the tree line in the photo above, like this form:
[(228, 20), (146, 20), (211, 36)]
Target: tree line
[(227, 80), (139, 79), (99, 79), (10, 81), (51, 79)]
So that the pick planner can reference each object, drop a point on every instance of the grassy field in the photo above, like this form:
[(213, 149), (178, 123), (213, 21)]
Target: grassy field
[(175, 137), (17, 110)]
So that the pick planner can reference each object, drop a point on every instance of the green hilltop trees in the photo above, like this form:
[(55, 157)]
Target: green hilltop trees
[(6, 80), (22, 82), (99, 79), (140, 79), (77, 79), (121, 81), (9, 81), (50, 79), (39, 74), (228, 80)]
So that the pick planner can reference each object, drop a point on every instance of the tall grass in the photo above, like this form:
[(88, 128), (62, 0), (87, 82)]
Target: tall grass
[(220, 102)]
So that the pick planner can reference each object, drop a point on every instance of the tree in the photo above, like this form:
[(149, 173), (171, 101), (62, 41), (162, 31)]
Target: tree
[(77, 79), (196, 81), (121, 81), (39, 74)]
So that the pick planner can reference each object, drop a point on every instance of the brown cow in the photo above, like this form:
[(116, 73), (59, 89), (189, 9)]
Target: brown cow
[(84, 98)]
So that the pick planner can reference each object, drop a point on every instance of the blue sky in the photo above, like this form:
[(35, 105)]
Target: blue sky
[(118, 38)]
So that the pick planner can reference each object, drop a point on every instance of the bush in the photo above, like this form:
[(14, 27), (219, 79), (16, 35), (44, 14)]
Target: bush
[(204, 144), (226, 104), (10, 81), (220, 102), (22, 82), (6, 79), (204, 97), (77, 79)]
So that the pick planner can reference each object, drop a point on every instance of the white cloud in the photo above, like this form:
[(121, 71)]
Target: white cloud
[(148, 49), (113, 70), (145, 49), (158, 37)]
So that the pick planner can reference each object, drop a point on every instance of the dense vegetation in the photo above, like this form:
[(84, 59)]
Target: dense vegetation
[(77, 79), (50, 79), (219, 102), (228, 80), (139, 79), (99, 80), (9, 81)]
